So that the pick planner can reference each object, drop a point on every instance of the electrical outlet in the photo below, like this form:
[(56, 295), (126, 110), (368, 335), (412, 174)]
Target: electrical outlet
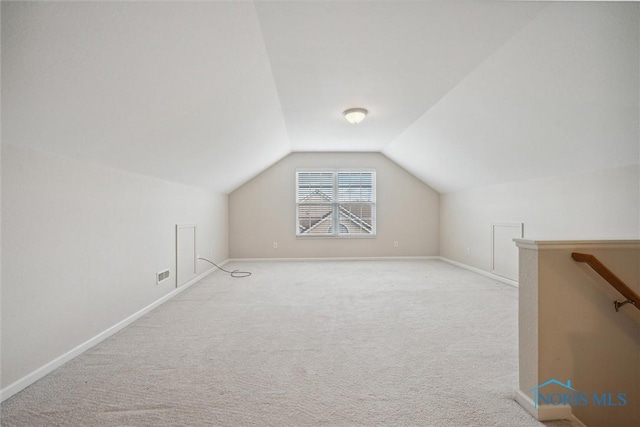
[(275, 245), (395, 243), (468, 250)]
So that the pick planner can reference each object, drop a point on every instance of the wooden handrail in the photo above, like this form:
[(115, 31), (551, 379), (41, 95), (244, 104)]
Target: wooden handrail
[(607, 275)]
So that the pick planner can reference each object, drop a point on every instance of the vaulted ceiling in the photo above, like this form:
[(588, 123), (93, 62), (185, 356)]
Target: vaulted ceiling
[(461, 94)]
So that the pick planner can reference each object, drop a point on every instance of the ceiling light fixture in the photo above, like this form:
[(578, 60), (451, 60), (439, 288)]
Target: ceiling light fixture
[(355, 115)]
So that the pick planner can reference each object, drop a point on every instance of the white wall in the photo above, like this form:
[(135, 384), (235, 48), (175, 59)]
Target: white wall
[(1, 270), (262, 211), (597, 205), (81, 246)]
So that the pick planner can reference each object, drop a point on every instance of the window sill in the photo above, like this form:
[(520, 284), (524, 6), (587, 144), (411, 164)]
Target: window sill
[(367, 236)]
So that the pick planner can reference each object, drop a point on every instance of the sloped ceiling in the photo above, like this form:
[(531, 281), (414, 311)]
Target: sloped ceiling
[(561, 96), (181, 91), (461, 94)]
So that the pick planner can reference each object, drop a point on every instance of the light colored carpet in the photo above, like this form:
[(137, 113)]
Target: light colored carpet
[(370, 343)]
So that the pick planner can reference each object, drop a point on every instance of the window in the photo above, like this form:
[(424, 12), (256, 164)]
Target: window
[(327, 197)]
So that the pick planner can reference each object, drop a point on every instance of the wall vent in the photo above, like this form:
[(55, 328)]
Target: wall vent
[(163, 275)]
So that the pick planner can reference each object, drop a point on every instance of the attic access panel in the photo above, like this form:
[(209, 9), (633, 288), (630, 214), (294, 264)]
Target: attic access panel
[(186, 257), (504, 250)]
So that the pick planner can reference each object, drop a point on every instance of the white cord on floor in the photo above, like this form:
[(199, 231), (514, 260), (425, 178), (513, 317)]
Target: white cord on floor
[(235, 273)]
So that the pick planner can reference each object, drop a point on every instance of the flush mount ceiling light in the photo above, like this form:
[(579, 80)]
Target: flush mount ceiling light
[(355, 115)]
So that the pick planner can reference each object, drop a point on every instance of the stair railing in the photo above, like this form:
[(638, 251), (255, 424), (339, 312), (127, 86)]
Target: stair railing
[(593, 262)]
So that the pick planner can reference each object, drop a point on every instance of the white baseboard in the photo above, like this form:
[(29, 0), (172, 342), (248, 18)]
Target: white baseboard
[(526, 402), (39, 373), (544, 412), (385, 258), (481, 272), (398, 258)]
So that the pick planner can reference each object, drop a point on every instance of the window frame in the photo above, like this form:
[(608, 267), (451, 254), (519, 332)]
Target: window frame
[(335, 203)]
